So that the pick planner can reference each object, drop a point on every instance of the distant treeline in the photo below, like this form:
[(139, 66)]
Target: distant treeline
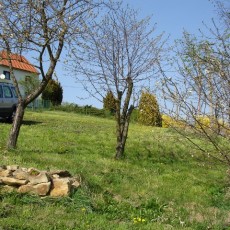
[(90, 110)]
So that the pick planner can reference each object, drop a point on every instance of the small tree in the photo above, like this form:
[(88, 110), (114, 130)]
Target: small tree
[(41, 29), (202, 88), (109, 102), (149, 113), (29, 84), (118, 54), (53, 92)]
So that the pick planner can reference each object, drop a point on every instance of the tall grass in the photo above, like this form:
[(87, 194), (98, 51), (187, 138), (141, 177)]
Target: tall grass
[(163, 182)]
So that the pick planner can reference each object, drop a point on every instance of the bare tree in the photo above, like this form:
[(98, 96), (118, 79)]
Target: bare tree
[(39, 29), (201, 83), (119, 54), (223, 10)]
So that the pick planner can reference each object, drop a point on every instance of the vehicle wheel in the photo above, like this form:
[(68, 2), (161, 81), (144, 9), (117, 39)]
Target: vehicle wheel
[(11, 118)]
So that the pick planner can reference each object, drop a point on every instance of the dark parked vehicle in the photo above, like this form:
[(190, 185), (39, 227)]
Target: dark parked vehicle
[(8, 100)]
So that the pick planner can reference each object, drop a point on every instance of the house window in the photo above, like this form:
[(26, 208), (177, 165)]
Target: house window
[(7, 75)]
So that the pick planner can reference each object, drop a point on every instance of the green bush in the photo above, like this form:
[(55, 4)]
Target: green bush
[(109, 102), (202, 122), (134, 116), (149, 113), (212, 124), (53, 92), (168, 121)]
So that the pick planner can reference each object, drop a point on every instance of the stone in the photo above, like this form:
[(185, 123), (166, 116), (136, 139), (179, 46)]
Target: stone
[(55, 176), (12, 181), (12, 167), (75, 184), (20, 174), (5, 173), (24, 169), (56, 183), (42, 177), (60, 187), (41, 189)]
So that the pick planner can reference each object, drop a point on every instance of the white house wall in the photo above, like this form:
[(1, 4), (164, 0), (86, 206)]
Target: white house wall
[(19, 75)]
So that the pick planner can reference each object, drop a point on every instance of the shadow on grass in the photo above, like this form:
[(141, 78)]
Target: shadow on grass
[(27, 122)]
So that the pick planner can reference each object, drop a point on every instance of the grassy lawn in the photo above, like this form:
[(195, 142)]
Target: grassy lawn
[(163, 183)]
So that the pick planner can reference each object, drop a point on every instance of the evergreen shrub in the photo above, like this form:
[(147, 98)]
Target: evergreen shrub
[(149, 113)]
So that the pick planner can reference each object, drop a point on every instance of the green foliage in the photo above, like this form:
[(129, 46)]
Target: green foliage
[(149, 113), (53, 92), (109, 102), (134, 116), (29, 84)]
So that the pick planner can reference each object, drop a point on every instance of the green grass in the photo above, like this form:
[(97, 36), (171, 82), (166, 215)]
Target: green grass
[(163, 182)]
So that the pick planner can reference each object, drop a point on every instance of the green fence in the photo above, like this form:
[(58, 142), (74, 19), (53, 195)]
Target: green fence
[(40, 104)]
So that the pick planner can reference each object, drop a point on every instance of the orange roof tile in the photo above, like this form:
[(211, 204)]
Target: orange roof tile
[(18, 62)]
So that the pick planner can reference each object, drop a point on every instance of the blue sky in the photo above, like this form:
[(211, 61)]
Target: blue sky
[(171, 16)]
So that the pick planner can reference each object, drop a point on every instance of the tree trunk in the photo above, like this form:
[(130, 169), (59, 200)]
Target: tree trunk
[(123, 118), (14, 132), (119, 150), (121, 141), (122, 134)]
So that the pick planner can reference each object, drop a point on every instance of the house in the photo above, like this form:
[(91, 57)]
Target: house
[(23, 69)]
